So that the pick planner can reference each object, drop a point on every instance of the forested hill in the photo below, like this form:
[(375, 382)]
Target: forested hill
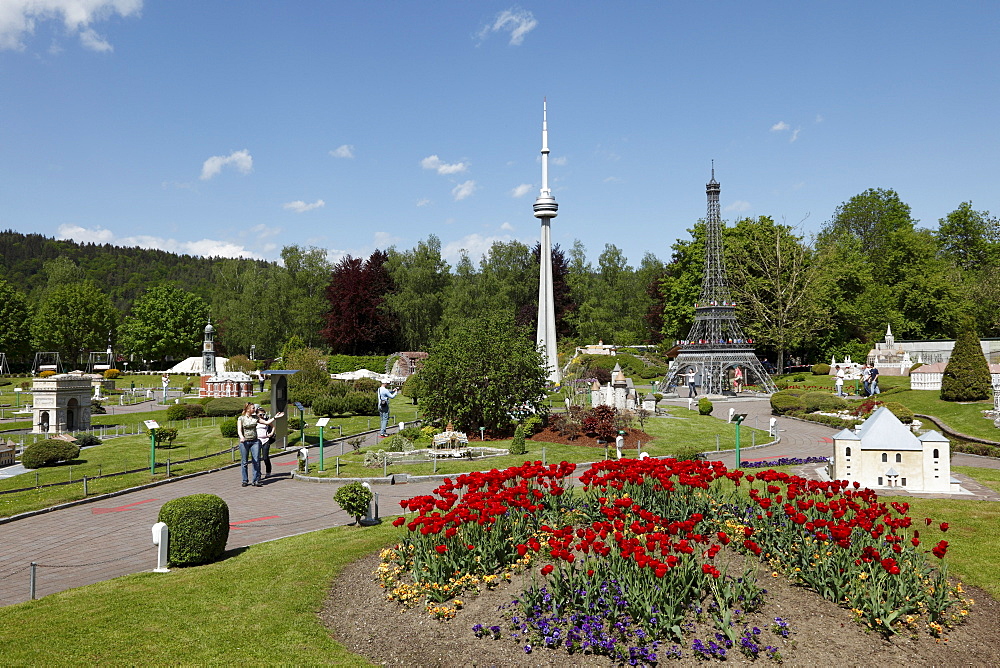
[(124, 273)]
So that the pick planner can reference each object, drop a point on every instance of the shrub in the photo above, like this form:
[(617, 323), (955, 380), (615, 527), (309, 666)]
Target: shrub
[(904, 414), (967, 375), (85, 439), (185, 411), (821, 369), (817, 401), (351, 403), (294, 423), (781, 383), (799, 378), (600, 420), (240, 363), (187, 388), (533, 424), (354, 499), (704, 406), (49, 452), (397, 443), (366, 385), (228, 428), (225, 406), (97, 407), (199, 528), (832, 403), (413, 433), (517, 446), (112, 374), (785, 402), (46, 373), (164, 435)]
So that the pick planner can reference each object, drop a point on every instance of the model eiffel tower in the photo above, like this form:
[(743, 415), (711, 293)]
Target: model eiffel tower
[(716, 345)]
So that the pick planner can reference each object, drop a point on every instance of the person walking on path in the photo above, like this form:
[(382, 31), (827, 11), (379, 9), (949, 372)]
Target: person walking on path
[(738, 380), (839, 382), (246, 430), (866, 380), (692, 379), (384, 395), (265, 434), (873, 374)]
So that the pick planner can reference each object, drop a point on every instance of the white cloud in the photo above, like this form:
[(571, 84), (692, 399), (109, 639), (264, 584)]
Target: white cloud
[(561, 161), (264, 231), (780, 126), (203, 247), (298, 206), (423, 202), (795, 135), (476, 245), (515, 21), (507, 227), (241, 160), (463, 190), (343, 151), (82, 235), (738, 206), (612, 179), (18, 19), (521, 190), (435, 163), (819, 118)]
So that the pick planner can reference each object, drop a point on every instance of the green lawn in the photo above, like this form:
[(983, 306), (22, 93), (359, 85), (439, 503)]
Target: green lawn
[(257, 607)]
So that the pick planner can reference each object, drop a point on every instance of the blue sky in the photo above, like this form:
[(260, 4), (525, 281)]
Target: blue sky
[(235, 128)]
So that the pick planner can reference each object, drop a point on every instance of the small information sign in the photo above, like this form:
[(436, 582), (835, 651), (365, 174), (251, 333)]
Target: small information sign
[(151, 424), (322, 422)]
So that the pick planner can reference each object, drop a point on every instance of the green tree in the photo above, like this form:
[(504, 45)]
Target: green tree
[(249, 307), (15, 335), (312, 379), (480, 373), (74, 318), (879, 220), (967, 375), (775, 283), (414, 387), (165, 322), (306, 275), (969, 238), (681, 284), (421, 278)]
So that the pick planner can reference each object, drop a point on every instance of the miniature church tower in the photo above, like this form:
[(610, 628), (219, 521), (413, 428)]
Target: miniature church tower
[(208, 351)]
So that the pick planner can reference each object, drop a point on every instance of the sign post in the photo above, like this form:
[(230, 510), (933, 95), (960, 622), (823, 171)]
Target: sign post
[(302, 423), (151, 425), (322, 422), (739, 420)]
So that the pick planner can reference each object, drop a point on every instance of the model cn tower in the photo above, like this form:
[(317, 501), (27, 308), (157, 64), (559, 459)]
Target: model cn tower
[(545, 210)]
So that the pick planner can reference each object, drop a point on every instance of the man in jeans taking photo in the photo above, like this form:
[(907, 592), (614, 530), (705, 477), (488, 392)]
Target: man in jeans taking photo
[(384, 395)]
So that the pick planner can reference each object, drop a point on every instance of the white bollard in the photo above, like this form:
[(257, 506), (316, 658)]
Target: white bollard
[(161, 538), (402, 426), (773, 427), (619, 444), (643, 455), (368, 514), (732, 412), (690, 403)]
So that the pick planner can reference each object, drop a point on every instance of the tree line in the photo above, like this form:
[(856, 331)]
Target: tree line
[(871, 265)]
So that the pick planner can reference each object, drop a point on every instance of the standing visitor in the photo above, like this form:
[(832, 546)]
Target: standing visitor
[(246, 430), (839, 382), (866, 378), (384, 395), (873, 374), (265, 434), (692, 380), (738, 380)]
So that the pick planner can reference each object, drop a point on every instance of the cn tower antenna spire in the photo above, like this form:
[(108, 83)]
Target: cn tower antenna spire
[(545, 210)]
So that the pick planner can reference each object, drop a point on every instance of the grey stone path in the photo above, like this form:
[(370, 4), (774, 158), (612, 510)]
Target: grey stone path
[(103, 539)]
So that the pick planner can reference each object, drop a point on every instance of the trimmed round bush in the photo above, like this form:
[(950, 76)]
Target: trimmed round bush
[(354, 499), (904, 414), (704, 406), (225, 406), (228, 428), (185, 411), (821, 369), (785, 402), (112, 374), (831, 403), (517, 446), (49, 452), (199, 528)]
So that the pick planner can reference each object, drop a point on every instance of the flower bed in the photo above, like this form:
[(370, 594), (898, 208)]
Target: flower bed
[(651, 554), (783, 461)]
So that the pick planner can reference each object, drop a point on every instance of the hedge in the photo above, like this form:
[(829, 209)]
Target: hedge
[(352, 403), (199, 528), (785, 402), (821, 369), (904, 414), (225, 406), (345, 363), (186, 411), (49, 452)]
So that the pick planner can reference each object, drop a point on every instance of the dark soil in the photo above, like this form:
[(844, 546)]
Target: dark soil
[(632, 438), (360, 618)]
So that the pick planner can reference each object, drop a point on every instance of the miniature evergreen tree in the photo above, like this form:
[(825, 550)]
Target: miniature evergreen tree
[(967, 376)]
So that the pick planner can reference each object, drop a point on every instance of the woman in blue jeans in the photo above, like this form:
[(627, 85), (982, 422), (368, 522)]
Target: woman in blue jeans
[(246, 430)]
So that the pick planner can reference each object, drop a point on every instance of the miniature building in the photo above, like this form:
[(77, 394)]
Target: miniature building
[(405, 366), (60, 403), (891, 355), (928, 376), (7, 452), (220, 383), (883, 453), (620, 392)]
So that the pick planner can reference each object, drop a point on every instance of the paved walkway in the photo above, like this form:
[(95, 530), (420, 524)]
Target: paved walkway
[(103, 539)]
